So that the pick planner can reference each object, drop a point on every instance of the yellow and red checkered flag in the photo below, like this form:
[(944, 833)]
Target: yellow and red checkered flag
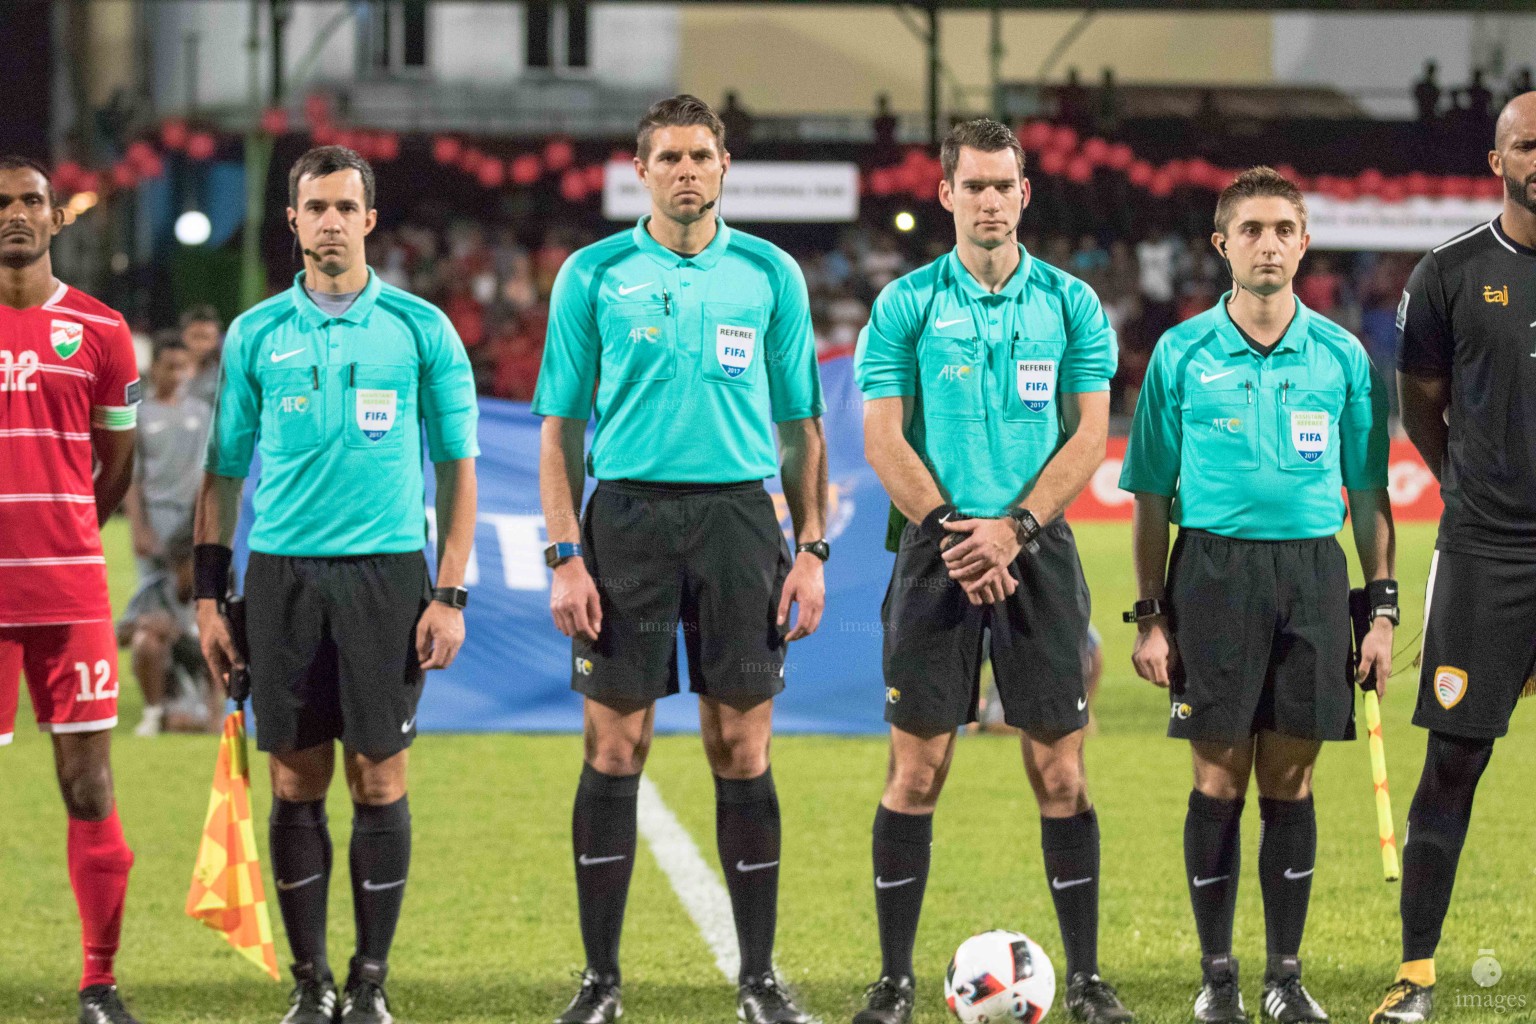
[(226, 893)]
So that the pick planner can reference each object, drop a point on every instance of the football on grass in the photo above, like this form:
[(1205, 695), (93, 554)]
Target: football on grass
[(1000, 976)]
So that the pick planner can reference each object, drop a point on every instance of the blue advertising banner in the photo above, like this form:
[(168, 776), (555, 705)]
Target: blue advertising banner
[(513, 673)]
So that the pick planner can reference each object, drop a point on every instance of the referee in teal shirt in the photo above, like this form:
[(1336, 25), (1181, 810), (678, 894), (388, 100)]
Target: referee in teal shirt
[(689, 342), (1252, 418), (986, 407), (332, 382)]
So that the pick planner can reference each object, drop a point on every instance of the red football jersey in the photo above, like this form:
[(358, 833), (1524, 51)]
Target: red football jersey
[(66, 367)]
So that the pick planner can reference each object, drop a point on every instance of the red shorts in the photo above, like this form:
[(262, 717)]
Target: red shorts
[(71, 672)]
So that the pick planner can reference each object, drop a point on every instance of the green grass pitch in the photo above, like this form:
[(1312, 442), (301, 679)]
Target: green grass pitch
[(489, 931)]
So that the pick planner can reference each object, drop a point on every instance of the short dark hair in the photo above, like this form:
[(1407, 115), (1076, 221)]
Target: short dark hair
[(16, 162), (1254, 182), (984, 134), (203, 312), (323, 160), (166, 341), (679, 111)]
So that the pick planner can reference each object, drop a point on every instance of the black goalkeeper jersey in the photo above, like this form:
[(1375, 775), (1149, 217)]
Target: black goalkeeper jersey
[(1469, 314)]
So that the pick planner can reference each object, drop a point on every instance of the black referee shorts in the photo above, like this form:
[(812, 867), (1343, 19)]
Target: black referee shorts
[(1479, 644), (934, 639), (708, 556), (1263, 636), (333, 650)]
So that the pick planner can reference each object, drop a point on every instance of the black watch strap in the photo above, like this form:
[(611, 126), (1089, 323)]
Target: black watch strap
[(453, 597), (1145, 609), (820, 548)]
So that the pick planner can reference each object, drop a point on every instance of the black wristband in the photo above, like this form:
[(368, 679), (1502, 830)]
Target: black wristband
[(932, 528), (210, 571), (1381, 599)]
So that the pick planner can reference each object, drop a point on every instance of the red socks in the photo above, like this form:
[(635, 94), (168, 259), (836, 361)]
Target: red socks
[(99, 860)]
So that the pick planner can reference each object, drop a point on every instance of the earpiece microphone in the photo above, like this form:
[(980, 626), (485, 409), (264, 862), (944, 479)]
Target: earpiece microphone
[(709, 205)]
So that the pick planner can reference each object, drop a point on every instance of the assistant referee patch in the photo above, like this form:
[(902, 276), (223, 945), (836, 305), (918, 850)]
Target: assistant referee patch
[(1450, 686)]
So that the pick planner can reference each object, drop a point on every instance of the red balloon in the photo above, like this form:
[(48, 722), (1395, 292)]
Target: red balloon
[(1035, 135), (597, 177), (1063, 139), (1175, 171), (470, 160), (559, 154), (445, 150), (1080, 170), (1119, 157), (387, 146), (323, 134), (173, 134), (201, 146), (123, 175), (1053, 162), (573, 185), (882, 181), (526, 169), (1140, 173), (138, 152), (88, 181), (1096, 150), (491, 172), (274, 121), (66, 177), (1162, 184), (317, 108)]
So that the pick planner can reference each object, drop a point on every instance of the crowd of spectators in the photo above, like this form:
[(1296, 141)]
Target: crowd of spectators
[(496, 289)]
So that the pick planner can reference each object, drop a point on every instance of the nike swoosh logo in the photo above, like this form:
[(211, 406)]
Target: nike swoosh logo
[(939, 325), (286, 355), (634, 287), (1206, 378), (1082, 702), (743, 866), (407, 726), (1201, 883), (1293, 875), (881, 883), (283, 886), (587, 862), (381, 886), (1059, 885)]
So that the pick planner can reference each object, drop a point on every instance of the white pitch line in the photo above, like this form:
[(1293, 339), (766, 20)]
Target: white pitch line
[(702, 893)]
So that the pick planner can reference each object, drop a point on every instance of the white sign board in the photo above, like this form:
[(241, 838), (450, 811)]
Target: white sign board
[(754, 191), (1412, 225)]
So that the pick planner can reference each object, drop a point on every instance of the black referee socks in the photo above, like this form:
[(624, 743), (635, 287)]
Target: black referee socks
[(301, 868), (747, 835), (381, 860), (1071, 848), (1437, 827), (603, 846), (1287, 858), (1212, 855), (903, 844)]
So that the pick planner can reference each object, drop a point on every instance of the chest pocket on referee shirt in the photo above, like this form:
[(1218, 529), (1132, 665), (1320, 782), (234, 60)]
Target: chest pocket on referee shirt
[(639, 342), (378, 399), (1223, 428), (951, 372), (1309, 429), (732, 344), (1030, 380), (292, 408)]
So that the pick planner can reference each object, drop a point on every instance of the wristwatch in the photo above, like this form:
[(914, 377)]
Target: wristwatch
[(556, 554), (1027, 527), (820, 548), (1147, 609), (453, 597)]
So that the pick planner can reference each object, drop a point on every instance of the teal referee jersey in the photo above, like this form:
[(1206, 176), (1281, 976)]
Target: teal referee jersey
[(687, 361), (1252, 446), (335, 406), (986, 370)]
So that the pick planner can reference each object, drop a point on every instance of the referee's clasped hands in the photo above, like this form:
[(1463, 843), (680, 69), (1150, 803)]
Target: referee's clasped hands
[(980, 554), (1154, 654)]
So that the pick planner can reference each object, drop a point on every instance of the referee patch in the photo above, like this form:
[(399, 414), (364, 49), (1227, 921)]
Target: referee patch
[(1450, 686), (375, 412), (1036, 382), (1309, 433), (734, 346)]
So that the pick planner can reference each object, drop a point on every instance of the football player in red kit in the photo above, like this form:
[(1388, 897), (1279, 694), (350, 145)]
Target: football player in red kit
[(69, 386)]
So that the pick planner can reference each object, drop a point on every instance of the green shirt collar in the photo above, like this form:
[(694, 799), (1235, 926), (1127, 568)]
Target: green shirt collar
[(704, 260), (1233, 342), (314, 316), (973, 289)]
